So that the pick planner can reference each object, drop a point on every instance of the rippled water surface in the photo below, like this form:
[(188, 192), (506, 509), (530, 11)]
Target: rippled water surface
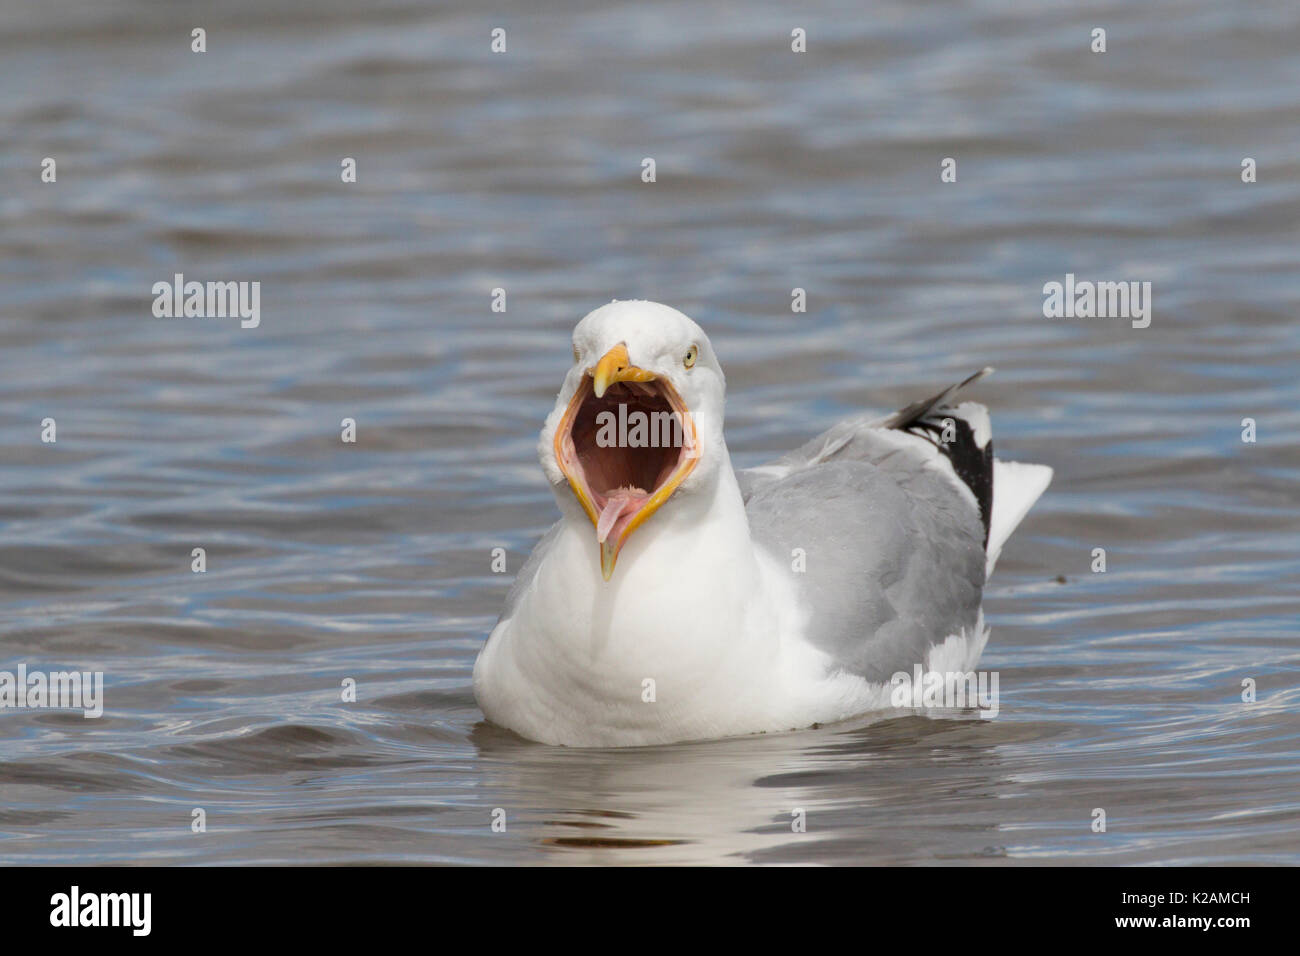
[(776, 170)]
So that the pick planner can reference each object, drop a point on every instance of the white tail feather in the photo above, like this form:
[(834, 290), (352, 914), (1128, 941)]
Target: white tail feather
[(1016, 487)]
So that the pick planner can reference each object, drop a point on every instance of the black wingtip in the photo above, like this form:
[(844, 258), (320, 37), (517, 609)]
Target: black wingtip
[(911, 414), (929, 419)]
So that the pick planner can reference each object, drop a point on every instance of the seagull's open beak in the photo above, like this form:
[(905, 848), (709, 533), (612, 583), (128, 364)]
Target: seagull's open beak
[(625, 444)]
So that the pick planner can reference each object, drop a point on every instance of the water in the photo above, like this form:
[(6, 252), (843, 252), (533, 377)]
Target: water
[(370, 561)]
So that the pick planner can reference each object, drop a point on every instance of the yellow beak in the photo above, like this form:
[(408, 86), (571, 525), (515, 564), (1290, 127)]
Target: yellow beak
[(616, 366)]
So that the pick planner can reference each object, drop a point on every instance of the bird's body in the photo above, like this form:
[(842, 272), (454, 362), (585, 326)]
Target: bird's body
[(771, 600)]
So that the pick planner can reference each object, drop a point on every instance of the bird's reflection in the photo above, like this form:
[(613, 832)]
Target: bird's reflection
[(767, 797)]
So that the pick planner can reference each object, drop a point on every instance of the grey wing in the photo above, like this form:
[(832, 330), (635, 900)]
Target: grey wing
[(893, 539), (858, 438)]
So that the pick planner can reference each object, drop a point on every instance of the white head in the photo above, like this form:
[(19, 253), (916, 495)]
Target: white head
[(638, 420)]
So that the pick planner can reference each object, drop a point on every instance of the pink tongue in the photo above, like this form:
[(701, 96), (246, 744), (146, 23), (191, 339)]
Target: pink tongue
[(621, 501)]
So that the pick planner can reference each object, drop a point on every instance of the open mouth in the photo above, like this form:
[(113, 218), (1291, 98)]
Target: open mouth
[(624, 451)]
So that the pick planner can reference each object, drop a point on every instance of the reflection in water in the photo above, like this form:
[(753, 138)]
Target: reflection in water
[(739, 799)]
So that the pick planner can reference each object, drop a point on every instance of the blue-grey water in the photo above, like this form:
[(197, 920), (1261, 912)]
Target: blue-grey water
[(819, 170)]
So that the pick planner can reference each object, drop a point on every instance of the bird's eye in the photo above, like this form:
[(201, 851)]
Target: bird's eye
[(691, 355)]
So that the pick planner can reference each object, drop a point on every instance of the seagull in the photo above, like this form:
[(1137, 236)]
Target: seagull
[(678, 599)]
